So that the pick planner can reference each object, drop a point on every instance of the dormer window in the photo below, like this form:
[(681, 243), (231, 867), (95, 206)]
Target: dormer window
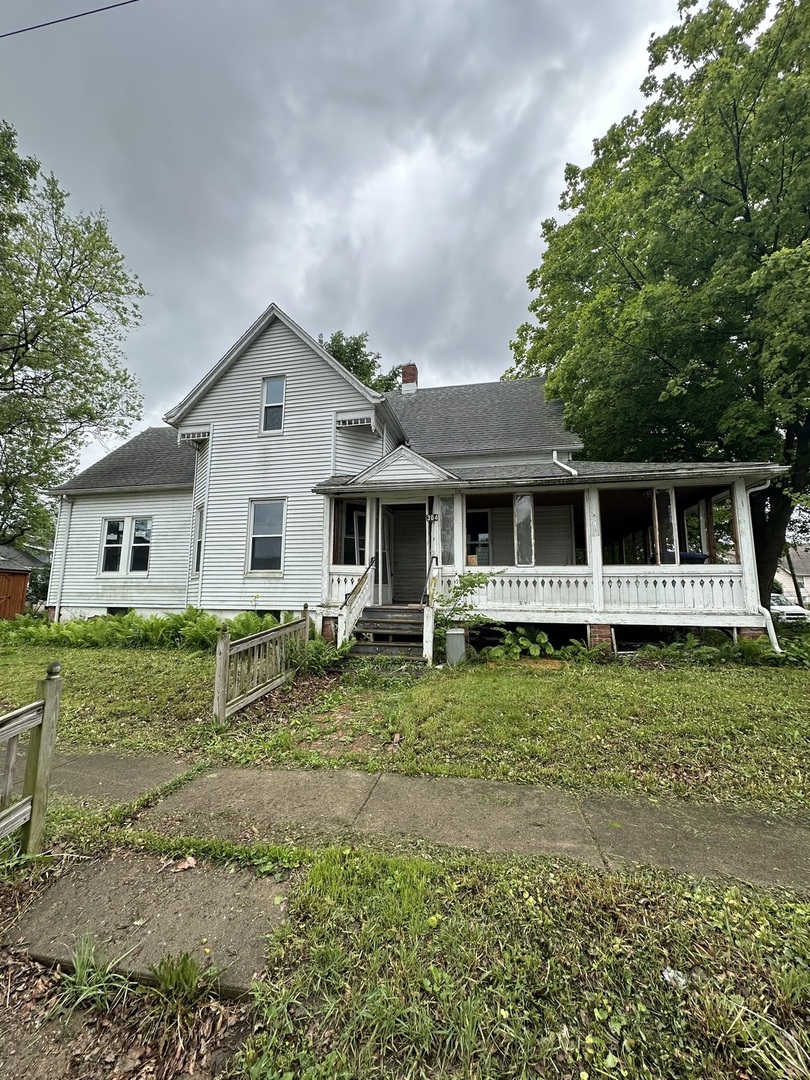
[(273, 404)]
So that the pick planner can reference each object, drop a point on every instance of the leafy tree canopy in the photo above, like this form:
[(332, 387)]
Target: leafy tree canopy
[(672, 306), (354, 354), (66, 302)]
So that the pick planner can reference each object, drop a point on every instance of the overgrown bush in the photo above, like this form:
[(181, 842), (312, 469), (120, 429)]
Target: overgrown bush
[(190, 629), (522, 641)]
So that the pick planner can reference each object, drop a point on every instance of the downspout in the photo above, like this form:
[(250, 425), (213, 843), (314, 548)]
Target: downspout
[(563, 464), (57, 610), (774, 640)]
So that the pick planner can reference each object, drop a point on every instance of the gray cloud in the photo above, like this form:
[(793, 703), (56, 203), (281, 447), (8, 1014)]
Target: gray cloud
[(380, 167)]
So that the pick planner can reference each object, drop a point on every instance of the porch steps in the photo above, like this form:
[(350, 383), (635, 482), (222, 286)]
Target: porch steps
[(396, 630)]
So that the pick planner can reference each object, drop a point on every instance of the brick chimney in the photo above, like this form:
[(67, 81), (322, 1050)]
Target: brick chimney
[(410, 378)]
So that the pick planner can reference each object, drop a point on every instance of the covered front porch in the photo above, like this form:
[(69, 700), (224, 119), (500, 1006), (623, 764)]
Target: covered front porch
[(677, 551)]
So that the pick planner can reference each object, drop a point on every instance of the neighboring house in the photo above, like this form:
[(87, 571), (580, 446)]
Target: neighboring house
[(800, 557), (15, 570), (281, 478)]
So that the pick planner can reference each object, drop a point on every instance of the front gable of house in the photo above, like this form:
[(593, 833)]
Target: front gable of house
[(274, 372), (402, 467)]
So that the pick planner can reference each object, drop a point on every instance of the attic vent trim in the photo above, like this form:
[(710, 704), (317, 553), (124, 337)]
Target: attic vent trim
[(562, 464), (354, 421), (193, 436)]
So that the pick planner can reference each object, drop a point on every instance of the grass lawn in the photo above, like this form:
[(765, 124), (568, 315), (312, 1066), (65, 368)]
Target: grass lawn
[(507, 968), (730, 734), (130, 700)]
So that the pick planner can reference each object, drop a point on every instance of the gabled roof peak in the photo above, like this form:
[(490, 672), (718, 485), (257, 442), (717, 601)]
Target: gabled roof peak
[(271, 314)]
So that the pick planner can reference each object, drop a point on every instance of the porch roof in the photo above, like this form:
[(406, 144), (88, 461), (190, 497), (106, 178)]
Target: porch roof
[(555, 474)]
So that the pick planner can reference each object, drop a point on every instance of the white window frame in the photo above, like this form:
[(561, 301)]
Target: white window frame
[(250, 536), (197, 540), (127, 545), (283, 405)]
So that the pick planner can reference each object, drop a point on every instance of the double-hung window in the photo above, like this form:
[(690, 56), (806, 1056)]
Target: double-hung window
[(266, 534), (125, 545), (273, 404)]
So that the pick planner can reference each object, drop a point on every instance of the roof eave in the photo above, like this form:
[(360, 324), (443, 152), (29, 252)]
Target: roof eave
[(68, 492)]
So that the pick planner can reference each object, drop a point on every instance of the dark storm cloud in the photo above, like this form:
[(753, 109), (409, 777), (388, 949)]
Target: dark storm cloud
[(369, 166)]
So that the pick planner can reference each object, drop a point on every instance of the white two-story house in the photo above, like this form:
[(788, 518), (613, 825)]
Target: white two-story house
[(281, 480)]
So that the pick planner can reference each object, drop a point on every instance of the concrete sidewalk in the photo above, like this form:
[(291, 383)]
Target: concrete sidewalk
[(606, 831), (138, 908)]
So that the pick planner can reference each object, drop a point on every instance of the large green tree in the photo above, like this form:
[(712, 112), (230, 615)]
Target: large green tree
[(353, 353), (66, 302), (672, 306)]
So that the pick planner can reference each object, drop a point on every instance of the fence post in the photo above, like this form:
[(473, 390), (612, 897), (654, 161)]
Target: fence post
[(41, 746), (305, 617), (221, 676)]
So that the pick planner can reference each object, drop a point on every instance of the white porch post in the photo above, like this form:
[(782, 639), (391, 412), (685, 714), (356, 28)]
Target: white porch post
[(459, 534), (594, 537), (373, 546), (745, 540), (328, 506)]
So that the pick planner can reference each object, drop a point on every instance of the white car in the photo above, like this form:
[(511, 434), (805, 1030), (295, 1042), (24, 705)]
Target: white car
[(785, 610)]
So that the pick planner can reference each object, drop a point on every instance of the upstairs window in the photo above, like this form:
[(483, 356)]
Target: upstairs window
[(266, 534), (125, 546), (273, 404)]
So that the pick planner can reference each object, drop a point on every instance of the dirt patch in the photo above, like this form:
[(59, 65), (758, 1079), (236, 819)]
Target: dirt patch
[(39, 1041)]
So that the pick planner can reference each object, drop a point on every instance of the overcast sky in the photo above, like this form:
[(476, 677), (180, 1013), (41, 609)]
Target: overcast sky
[(379, 166)]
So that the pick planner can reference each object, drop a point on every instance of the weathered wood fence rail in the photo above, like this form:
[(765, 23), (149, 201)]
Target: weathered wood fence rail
[(253, 666), (40, 718)]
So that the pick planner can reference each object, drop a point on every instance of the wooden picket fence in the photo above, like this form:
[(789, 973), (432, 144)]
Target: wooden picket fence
[(40, 718), (253, 666)]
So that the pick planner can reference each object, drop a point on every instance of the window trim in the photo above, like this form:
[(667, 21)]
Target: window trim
[(126, 547), (197, 539), (251, 535), (283, 405)]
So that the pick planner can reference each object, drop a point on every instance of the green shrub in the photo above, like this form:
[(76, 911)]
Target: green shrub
[(522, 641)]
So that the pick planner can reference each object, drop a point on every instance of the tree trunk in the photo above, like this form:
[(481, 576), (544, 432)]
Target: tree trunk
[(770, 514)]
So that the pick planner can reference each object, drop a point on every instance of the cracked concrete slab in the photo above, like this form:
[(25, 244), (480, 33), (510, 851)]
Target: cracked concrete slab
[(699, 839), (137, 913), (480, 814), (251, 804), (108, 777)]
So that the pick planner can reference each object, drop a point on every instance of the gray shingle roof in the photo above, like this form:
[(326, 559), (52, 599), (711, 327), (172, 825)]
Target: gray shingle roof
[(11, 559), (607, 471), (499, 416), (150, 460)]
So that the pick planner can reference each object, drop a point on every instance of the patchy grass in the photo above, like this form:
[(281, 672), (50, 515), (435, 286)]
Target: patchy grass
[(144, 700), (730, 734), (478, 967)]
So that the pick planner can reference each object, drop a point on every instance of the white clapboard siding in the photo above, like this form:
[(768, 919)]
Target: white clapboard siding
[(553, 536), (248, 465), (81, 589), (404, 471), (356, 449)]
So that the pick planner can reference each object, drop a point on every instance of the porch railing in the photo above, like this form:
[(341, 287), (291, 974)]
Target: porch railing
[(429, 608), (709, 589), (513, 592), (565, 589), (352, 607)]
